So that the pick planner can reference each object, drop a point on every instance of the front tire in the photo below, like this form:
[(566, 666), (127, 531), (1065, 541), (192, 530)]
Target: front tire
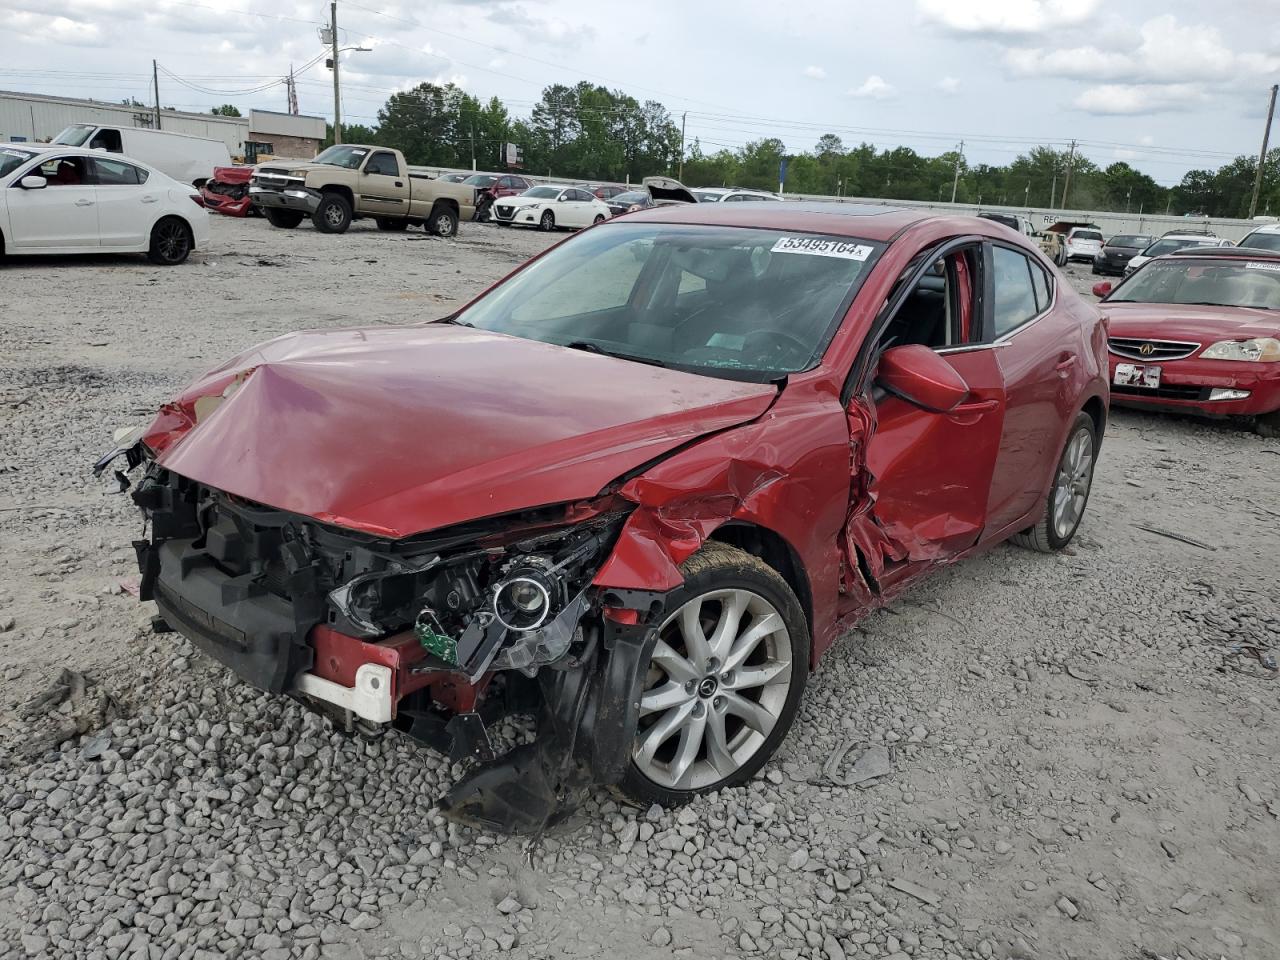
[(284, 219), (724, 682), (548, 222), (170, 242), (1069, 495), (599, 218), (333, 215), (443, 222)]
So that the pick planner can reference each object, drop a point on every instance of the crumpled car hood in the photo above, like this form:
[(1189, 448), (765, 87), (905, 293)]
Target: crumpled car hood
[(399, 430)]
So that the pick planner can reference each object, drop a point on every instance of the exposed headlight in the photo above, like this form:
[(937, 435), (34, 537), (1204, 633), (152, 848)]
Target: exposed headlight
[(1259, 349)]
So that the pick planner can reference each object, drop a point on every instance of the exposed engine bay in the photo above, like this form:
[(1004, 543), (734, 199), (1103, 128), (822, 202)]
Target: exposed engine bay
[(435, 635)]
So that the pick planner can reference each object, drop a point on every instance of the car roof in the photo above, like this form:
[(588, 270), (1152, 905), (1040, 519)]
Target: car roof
[(859, 220), (1225, 253)]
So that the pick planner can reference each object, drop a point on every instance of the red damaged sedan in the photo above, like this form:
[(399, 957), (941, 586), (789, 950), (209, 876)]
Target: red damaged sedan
[(1199, 332), (227, 191), (635, 490)]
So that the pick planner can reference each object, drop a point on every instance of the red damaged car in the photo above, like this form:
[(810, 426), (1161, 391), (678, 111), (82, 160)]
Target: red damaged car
[(227, 191), (636, 489), (1198, 332)]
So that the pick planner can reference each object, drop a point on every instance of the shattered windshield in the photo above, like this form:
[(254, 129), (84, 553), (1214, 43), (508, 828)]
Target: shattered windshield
[(11, 160), (730, 302), (74, 135), (1238, 283), (342, 155)]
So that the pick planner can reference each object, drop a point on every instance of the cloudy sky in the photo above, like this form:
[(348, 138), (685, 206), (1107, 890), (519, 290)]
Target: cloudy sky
[(1164, 84)]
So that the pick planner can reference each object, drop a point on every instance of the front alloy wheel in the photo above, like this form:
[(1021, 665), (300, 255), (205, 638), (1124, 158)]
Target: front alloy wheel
[(1069, 494), (724, 681)]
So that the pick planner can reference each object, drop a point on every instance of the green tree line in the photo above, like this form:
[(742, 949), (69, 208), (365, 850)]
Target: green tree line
[(589, 132)]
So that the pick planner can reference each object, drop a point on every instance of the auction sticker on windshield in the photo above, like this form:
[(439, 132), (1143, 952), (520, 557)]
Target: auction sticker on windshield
[(820, 247)]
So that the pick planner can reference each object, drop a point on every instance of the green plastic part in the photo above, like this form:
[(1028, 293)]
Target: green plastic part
[(433, 641)]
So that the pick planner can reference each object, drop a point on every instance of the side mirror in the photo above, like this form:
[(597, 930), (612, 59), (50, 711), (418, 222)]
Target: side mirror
[(1102, 289), (33, 182), (918, 375)]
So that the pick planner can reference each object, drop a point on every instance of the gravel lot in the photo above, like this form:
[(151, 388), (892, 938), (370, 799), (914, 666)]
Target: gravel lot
[(1083, 767)]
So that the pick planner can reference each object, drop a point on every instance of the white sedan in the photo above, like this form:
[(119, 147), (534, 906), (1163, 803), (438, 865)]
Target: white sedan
[(550, 207), (60, 200)]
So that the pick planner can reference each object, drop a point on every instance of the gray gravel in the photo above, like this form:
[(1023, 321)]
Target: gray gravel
[(1083, 755)]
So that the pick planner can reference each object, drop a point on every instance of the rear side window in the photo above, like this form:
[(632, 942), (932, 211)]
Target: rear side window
[(1042, 285), (1015, 296), (117, 173)]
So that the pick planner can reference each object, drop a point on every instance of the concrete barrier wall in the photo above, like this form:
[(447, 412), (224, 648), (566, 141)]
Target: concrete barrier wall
[(1110, 223)]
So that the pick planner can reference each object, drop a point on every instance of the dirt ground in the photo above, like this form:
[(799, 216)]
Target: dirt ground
[(1084, 751)]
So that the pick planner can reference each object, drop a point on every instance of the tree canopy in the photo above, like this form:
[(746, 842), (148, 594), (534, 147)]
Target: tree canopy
[(590, 132)]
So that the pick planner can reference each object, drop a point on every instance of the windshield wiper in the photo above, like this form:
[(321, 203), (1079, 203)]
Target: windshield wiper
[(590, 346), (456, 322)]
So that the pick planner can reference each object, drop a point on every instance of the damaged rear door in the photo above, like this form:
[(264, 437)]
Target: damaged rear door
[(922, 496)]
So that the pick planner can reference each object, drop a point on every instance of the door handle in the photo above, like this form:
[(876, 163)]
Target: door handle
[(399, 184), (149, 199), (84, 203), (978, 406)]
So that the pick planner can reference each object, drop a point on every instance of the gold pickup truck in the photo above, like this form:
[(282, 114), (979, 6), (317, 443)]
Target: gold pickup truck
[(349, 181)]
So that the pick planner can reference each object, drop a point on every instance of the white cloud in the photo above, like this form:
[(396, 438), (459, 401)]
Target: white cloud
[(1168, 52), (39, 28), (815, 73), (1006, 16), (1127, 99), (949, 85), (874, 88)]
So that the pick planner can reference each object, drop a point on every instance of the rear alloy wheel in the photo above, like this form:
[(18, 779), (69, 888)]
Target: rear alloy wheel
[(724, 682), (443, 222), (548, 222), (170, 242), (284, 219), (333, 215), (1069, 495)]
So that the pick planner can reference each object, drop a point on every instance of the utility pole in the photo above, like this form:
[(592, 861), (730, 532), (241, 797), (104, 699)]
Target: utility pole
[(1071, 160), (955, 181), (1026, 196), (1053, 187), (1262, 157), (155, 82), (1128, 196), (473, 148), (337, 97), (683, 117)]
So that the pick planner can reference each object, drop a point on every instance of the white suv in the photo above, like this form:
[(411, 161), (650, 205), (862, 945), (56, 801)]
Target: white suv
[(1171, 242), (1264, 238), (1084, 243)]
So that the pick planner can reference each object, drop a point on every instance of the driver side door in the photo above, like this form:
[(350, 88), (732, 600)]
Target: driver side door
[(382, 186), (62, 214), (928, 472)]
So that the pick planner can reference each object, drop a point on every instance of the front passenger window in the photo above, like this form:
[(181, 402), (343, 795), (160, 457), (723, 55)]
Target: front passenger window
[(1015, 298)]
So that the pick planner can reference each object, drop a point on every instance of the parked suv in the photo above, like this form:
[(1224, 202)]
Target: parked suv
[(1264, 238), (1083, 243)]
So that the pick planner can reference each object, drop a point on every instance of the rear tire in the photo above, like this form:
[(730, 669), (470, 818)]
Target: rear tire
[(284, 219), (1072, 481), (704, 706), (1268, 425), (333, 215), (170, 242), (443, 222), (389, 225)]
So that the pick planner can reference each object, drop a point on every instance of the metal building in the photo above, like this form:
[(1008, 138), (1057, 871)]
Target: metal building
[(35, 117)]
